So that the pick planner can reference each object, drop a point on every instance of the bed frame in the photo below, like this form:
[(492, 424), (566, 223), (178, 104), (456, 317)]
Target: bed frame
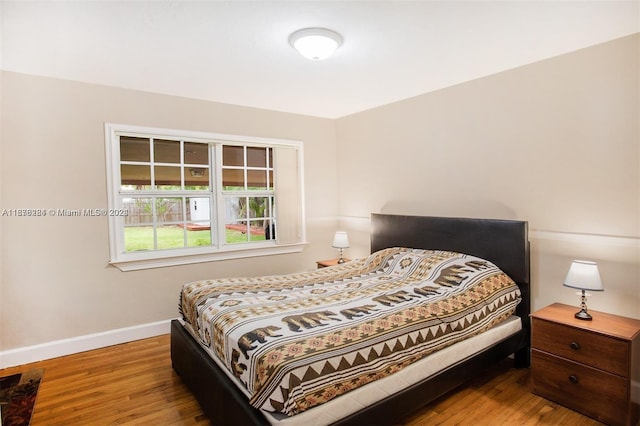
[(503, 242)]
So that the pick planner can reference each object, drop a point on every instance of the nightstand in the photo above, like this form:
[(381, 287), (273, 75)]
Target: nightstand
[(588, 366), (329, 262)]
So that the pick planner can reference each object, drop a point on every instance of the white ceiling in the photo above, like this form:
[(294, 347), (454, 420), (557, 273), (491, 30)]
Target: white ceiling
[(237, 51)]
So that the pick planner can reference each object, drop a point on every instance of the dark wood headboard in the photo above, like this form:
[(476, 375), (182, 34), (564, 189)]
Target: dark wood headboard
[(503, 242)]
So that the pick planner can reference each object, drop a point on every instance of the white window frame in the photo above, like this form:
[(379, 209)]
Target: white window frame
[(293, 240)]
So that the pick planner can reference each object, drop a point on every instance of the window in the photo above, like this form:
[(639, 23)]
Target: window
[(180, 197)]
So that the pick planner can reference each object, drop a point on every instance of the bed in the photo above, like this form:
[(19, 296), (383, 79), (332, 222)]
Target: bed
[(504, 243)]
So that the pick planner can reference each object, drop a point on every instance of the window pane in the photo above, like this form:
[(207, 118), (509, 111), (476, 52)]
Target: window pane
[(232, 179), (271, 180), (236, 232), (235, 209), (199, 211), (170, 236), (165, 151), (232, 155), (257, 179), (258, 229), (258, 207), (196, 178), (269, 211), (134, 149), (199, 237), (169, 210), (256, 157), (241, 230), (198, 222), (140, 211), (196, 153), (167, 177), (240, 233), (138, 238), (270, 230), (135, 177)]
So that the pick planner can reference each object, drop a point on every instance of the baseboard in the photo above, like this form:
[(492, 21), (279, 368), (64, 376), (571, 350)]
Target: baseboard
[(28, 354)]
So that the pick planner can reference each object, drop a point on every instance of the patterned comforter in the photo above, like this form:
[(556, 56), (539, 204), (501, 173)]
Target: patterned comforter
[(298, 340)]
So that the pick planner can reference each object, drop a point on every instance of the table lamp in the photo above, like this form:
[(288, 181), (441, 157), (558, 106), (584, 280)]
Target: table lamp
[(583, 275), (340, 241)]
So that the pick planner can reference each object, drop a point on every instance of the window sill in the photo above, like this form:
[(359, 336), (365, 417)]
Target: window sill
[(161, 261)]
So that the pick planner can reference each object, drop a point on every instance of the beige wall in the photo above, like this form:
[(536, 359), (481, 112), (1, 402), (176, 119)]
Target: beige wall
[(555, 143), (56, 281)]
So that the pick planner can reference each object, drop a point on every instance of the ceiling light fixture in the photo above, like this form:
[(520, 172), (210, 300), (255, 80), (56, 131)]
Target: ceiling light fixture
[(315, 43)]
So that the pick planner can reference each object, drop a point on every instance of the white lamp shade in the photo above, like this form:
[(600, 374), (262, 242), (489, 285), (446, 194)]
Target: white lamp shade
[(584, 275), (315, 43), (340, 240)]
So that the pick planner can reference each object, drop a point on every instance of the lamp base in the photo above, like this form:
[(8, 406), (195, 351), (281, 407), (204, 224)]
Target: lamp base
[(583, 315)]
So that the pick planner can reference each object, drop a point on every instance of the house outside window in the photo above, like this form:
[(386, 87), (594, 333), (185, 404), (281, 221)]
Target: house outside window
[(185, 197)]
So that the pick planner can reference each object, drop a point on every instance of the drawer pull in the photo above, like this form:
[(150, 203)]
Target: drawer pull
[(573, 378), (574, 345)]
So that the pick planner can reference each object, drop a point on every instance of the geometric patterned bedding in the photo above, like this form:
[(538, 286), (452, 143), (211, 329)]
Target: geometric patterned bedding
[(298, 340)]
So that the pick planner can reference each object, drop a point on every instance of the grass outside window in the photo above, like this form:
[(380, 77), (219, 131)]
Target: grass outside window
[(139, 238)]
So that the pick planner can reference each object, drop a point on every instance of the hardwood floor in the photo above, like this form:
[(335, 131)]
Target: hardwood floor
[(134, 383), (131, 383), (498, 396)]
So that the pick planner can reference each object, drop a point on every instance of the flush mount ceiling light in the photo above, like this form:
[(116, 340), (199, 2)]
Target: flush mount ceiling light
[(315, 43)]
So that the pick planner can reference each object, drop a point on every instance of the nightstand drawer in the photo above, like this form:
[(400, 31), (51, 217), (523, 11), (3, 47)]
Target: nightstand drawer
[(596, 350), (593, 392)]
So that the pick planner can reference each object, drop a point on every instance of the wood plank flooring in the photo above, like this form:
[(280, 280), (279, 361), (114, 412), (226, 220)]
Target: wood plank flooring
[(134, 383)]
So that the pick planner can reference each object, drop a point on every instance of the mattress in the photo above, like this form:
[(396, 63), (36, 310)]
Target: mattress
[(298, 341)]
